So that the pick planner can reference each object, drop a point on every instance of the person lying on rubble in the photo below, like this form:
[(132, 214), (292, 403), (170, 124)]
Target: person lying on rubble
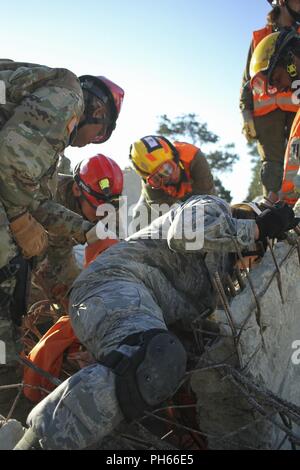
[(122, 305), (97, 180)]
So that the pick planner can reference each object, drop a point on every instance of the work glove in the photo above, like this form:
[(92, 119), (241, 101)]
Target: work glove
[(29, 235), (248, 126), (276, 221)]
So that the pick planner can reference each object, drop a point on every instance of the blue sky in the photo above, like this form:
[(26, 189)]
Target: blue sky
[(171, 57)]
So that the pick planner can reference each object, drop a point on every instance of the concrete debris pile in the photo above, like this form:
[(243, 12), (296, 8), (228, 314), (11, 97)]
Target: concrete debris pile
[(248, 385)]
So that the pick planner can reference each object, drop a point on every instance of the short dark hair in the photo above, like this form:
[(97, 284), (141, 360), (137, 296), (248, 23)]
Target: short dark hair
[(238, 213), (273, 17)]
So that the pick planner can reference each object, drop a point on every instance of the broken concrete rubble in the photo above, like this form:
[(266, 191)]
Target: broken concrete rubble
[(227, 415)]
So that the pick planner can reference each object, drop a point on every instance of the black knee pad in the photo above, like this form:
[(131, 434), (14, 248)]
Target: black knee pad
[(151, 374)]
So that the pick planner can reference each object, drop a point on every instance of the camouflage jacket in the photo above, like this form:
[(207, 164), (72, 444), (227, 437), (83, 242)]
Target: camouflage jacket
[(176, 255), (64, 194), (63, 217), (42, 107)]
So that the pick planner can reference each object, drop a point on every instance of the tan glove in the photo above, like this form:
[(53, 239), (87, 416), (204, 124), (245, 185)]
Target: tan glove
[(248, 126), (29, 235)]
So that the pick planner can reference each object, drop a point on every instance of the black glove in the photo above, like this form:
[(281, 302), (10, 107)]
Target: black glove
[(276, 221)]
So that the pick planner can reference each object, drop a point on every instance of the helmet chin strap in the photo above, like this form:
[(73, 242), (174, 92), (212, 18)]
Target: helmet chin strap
[(294, 14)]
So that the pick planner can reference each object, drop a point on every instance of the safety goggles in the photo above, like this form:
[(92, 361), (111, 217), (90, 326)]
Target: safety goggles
[(261, 86), (165, 173)]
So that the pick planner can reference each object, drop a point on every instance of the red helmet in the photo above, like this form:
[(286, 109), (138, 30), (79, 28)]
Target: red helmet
[(107, 92), (100, 180)]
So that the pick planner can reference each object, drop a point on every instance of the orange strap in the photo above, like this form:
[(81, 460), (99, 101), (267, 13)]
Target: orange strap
[(48, 355), (94, 250)]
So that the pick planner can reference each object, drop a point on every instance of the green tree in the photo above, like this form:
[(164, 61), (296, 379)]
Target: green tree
[(255, 188), (188, 127)]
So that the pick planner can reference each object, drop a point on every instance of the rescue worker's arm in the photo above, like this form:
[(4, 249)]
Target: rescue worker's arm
[(203, 182), (206, 224), (57, 219), (32, 138), (208, 220)]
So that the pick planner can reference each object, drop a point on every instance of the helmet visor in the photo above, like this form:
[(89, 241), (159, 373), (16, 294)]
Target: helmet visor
[(102, 136), (166, 173)]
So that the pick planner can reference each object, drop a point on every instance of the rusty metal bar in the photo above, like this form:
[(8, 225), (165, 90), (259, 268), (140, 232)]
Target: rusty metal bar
[(278, 276), (220, 289)]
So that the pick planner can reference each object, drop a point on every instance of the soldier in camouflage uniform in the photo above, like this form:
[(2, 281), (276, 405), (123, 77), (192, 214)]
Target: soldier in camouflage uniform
[(64, 166), (97, 180), (122, 306), (46, 110)]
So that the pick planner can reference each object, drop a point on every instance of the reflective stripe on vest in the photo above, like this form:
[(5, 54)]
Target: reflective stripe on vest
[(292, 164), (187, 153), (266, 104)]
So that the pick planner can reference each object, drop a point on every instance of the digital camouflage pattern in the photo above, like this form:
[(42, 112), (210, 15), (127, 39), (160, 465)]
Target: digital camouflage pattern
[(59, 268), (41, 102), (64, 166), (7, 328), (135, 286)]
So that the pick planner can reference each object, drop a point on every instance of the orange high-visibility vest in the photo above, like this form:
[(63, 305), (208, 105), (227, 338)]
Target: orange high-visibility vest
[(291, 164), (187, 153), (265, 104)]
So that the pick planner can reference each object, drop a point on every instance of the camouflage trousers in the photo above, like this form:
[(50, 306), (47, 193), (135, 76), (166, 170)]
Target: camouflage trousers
[(84, 409), (273, 131), (8, 251)]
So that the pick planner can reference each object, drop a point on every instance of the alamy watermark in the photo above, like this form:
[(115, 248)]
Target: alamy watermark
[(296, 354), (2, 353), (174, 224), (2, 92)]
